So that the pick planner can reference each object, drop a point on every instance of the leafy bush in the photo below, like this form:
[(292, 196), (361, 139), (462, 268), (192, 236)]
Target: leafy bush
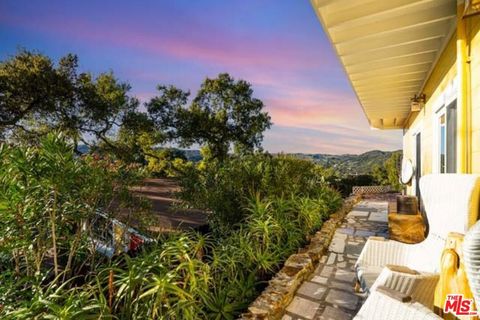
[(279, 201), (224, 187), (167, 162), (389, 172), (187, 275), (49, 195), (345, 185)]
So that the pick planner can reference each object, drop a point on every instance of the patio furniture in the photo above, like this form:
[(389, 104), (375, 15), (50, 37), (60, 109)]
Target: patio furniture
[(385, 303), (451, 205), (453, 277), (471, 252)]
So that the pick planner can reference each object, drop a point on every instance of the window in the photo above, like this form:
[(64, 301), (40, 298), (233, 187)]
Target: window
[(442, 146), (451, 135), (418, 163), (446, 133)]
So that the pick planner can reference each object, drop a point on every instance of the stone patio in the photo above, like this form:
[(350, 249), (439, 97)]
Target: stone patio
[(328, 294)]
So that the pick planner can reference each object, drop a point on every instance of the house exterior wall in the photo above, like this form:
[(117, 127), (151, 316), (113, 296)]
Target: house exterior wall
[(441, 87), (473, 33), (442, 76)]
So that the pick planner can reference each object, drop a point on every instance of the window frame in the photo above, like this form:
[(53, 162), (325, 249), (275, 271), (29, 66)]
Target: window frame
[(438, 140), (446, 98)]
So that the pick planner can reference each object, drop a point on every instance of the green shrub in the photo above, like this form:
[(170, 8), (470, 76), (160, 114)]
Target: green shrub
[(186, 275), (388, 173), (167, 162), (265, 208), (223, 187), (345, 185), (48, 197)]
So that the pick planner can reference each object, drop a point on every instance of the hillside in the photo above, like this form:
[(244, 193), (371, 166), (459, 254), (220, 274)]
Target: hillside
[(349, 164), (344, 164)]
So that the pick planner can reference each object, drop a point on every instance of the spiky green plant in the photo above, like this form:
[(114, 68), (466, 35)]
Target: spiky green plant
[(262, 210)]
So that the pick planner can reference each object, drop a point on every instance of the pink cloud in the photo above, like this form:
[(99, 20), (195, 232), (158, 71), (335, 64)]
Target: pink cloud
[(280, 67), (308, 108), (342, 141), (203, 43)]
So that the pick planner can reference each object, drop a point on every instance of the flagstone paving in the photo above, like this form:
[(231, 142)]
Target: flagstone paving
[(328, 294)]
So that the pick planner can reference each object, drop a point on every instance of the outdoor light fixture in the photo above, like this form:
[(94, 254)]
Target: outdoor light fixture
[(472, 8), (417, 102)]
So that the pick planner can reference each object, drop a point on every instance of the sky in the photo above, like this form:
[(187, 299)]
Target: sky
[(276, 45)]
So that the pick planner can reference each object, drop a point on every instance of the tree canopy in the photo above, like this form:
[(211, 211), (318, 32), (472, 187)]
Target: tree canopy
[(38, 96), (224, 113), (389, 172)]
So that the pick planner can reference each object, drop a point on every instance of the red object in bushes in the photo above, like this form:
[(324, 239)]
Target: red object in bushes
[(135, 242)]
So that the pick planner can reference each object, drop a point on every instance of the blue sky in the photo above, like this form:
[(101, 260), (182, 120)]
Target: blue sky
[(278, 46)]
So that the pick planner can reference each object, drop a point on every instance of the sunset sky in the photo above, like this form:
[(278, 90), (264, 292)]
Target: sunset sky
[(278, 46)]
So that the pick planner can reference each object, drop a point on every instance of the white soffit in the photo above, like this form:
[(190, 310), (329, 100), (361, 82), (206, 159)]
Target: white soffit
[(388, 49)]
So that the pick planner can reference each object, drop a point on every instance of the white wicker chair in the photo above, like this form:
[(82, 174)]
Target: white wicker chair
[(451, 204), (385, 303)]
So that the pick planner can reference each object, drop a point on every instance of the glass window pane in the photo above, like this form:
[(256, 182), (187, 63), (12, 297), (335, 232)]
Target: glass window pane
[(442, 146), (451, 138)]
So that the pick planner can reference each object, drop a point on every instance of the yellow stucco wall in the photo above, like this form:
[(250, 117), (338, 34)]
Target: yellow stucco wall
[(442, 75), (473, 34), (441, 78)]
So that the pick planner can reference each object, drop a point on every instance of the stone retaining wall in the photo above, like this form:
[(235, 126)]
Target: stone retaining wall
[(371, 189), (281, 289)]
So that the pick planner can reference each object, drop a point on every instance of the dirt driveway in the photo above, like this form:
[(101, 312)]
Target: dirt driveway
[(165, 213)]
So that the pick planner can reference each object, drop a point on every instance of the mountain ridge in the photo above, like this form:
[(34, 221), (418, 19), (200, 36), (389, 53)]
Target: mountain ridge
[(345, 164), (350, 164)]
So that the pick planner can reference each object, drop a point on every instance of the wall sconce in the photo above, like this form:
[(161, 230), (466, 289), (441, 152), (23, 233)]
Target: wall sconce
[(472, 8), (417, 102)]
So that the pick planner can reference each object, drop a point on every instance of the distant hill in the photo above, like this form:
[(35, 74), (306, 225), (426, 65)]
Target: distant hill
[(344, 164), (349, 164)]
